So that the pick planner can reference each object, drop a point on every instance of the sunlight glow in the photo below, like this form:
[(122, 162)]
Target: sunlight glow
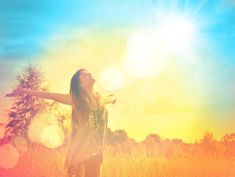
[(149, 49), (21, 144), (177, 32), (9, 156), (111, 78), (52, 136), (145, 55), (47, 130)]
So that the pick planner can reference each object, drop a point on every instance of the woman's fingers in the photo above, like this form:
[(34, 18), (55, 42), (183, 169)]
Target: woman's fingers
[(112, 97), (7, 95), (14, 93), (10, 95), (114, 101)]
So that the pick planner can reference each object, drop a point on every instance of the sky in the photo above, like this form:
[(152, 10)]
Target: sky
[(170, 64)]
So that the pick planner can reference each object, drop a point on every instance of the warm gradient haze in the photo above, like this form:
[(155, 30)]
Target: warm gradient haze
[(170, 64)]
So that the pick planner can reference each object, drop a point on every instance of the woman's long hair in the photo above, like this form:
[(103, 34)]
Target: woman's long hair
[(82, 102)]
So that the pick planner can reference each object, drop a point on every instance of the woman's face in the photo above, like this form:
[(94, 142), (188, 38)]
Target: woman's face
[(86, 79)]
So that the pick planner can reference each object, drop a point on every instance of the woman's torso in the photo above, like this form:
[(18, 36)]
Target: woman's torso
[(91, 135)]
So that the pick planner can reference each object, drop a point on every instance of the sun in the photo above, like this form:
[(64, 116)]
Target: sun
[(177, 32), (150, 48)]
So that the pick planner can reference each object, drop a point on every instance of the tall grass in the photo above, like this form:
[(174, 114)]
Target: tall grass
[(192, 161)]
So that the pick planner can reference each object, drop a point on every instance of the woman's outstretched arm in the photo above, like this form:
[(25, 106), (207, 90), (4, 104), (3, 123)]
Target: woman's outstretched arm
[(58, 97)]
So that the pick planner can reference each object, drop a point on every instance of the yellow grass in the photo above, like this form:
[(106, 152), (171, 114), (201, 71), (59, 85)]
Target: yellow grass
[(41, 162)]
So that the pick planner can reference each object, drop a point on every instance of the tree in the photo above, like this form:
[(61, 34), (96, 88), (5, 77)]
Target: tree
[(25, 107), (229, 138), (118, 136), (209, 144), (152, 139), (207, 139)]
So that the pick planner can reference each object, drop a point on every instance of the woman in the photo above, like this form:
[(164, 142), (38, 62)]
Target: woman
[(89, 123)]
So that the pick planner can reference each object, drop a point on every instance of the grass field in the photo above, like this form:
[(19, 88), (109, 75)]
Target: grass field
[(43, 162)]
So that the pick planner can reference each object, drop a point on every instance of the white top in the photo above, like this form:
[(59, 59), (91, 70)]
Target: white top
[(90, 139)]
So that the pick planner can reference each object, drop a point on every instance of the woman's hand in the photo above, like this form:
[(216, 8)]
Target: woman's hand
[(110, 99), (113, 99), (15, 92)]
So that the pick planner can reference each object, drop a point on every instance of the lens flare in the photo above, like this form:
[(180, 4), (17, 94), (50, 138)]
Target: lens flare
[(21, 144), (9, 156), (111, 78), (47, 130), (52, 136)]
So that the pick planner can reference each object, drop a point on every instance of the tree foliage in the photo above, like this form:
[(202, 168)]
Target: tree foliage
[(25, 107)]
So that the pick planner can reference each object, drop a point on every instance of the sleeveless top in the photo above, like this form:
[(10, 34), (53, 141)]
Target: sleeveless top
[(90, 139)]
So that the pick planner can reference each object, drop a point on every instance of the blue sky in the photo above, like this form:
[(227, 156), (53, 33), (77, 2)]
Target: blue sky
[(26, 25)]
